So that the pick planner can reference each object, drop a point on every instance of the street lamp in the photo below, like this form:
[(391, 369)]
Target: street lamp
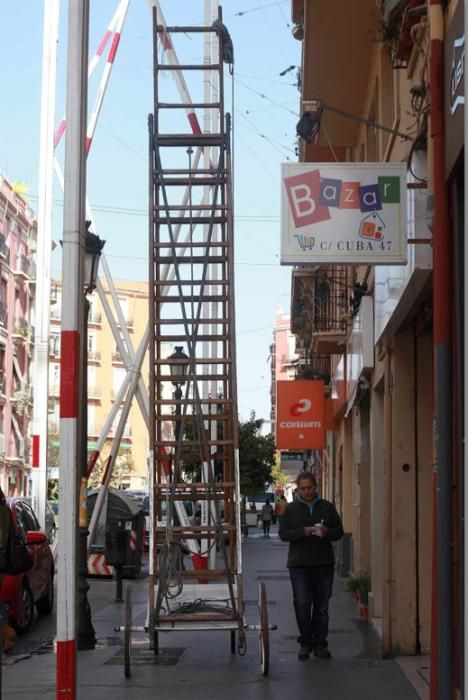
[(86, 636), (178, 367)]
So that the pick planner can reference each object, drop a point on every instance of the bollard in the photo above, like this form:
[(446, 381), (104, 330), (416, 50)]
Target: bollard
[(118, 584)]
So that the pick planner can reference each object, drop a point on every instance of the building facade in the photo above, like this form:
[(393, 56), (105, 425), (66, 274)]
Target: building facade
[(372, 92), (106, 373), (18, 235)]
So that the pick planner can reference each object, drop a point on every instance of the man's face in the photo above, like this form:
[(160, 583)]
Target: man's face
[(307, 490)]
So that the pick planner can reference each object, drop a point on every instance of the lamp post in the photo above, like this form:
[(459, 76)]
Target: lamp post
[(178, 367), (86, 637)]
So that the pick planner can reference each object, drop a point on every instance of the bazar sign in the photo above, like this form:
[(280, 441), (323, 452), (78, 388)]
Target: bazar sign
[(300, 421), (343, 213)]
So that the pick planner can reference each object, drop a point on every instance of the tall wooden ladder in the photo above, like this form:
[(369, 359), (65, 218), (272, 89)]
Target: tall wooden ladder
[(193, 411)]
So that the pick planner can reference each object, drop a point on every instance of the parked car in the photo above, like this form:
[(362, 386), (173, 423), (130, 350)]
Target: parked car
[(50, 521), (35, 588)]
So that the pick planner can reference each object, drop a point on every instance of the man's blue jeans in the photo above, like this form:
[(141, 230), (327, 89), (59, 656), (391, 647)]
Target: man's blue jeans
[(312, 589)]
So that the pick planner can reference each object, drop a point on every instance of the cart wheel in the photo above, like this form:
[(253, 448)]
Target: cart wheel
[(264, 634), (233, 642), (128, 632)]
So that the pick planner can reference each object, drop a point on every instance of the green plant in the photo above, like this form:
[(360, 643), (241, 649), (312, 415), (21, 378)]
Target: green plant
[(360, 583)]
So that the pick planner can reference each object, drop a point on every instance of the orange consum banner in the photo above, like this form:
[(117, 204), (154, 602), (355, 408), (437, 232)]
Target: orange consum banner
[(300, 414)]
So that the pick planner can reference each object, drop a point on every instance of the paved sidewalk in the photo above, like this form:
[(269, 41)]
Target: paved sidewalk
[(199, 666)]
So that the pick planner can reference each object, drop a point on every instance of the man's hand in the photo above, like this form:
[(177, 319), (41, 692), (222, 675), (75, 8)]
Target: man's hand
[(319, 531)]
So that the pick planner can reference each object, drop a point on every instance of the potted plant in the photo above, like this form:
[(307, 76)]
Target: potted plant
[(359, 586)]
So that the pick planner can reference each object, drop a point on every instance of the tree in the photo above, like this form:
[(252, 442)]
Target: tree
[(279, 477), (256, 457), (123, 466)]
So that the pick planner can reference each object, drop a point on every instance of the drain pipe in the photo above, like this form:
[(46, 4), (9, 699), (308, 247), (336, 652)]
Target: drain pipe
[(442, 603), (387, 509)]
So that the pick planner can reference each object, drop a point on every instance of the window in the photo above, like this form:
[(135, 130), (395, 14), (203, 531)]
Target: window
[(91, 342)]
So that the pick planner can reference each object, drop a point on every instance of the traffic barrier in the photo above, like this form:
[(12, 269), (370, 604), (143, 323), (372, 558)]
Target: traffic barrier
[(97, 566)]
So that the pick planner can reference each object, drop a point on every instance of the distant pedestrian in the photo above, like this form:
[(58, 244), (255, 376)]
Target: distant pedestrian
[(280, 508), (267, 517), (310, 525)]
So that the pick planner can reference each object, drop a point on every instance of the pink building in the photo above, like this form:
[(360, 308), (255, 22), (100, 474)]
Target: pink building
[(283, 356), (18, 229)]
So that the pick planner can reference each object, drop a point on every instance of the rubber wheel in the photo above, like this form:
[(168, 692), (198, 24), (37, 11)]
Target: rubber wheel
[(264, 634), (45, 605), (155, 643), (128, 633), (26, 612), (233, 642)]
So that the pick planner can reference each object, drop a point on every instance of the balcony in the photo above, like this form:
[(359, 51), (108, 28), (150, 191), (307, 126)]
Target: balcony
[(94, 393), (94, 318), (117, 358), (3, 316), (127, 433), (4, 249), (54, 350), (21, 267), (94, 356), (320, 308), (21, 330), (314, 367), (56, 314)]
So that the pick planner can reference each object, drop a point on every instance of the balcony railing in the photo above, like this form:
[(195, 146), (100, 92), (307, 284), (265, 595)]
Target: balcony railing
[(4, 249), (314, 367), (3, 315), (21, 266), (21, 329), (94, 392), (320, 300), (94, 356), (117, 357), (95, 318), (127, 433)]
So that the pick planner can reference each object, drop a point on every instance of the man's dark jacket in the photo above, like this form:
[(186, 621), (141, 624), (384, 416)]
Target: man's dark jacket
[(310, 550)]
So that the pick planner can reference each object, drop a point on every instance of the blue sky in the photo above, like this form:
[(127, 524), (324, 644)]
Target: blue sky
[(265, 114)]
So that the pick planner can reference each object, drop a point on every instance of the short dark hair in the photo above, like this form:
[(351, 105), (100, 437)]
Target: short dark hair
[(306, 476)]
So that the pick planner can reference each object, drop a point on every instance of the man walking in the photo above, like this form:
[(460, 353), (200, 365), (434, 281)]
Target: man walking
[(310, 525)]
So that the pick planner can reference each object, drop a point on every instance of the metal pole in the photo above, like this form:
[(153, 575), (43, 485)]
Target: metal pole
[(442, 595), (465, 410), (86, 636), (40, 378), (178, 412), (71, 345), (387, 644)]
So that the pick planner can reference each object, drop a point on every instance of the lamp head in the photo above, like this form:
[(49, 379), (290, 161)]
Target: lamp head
[(93, 248), (308, 125), (178, 366)]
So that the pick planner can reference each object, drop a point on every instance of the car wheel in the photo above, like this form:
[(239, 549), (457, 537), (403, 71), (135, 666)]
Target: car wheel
[(26, 609), (45, 605)]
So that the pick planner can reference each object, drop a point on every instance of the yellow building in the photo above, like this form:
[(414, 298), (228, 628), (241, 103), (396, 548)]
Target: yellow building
[(106, 373)]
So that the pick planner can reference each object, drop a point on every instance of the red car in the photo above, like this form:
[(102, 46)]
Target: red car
[(36, 587)]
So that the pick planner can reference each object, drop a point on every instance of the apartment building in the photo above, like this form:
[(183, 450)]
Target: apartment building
[(372, 93), (106, 373), (18, 235)]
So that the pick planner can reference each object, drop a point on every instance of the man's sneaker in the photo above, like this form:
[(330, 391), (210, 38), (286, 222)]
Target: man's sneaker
[(304, 653), (322, 652)]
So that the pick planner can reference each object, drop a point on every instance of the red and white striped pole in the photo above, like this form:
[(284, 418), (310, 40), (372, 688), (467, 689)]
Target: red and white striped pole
[(72, 345), (59, 132)]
